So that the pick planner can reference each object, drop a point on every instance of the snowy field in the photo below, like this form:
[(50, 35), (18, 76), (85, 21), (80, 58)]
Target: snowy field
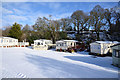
[(29, 63)]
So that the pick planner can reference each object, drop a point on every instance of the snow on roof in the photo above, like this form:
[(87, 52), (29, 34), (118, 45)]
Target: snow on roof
[(59, 41), (42, 40), (71, 35), (115, 42), (7, 38), (67, 41), (115, 45), (71, 40)]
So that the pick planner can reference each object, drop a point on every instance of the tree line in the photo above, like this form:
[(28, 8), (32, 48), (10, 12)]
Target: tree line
[(98, 19)]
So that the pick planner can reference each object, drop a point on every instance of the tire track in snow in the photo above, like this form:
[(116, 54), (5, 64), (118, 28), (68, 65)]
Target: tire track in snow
[(21, 75), (11, 74)]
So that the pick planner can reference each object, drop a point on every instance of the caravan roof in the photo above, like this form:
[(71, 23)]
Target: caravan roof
[(7, 38), (115, 45), (67, 41), (107, 42), (42, 40)]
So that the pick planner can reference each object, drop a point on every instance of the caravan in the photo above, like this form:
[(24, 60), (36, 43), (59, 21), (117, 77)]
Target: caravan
[(102, 47), (67, 45), (42, 44)]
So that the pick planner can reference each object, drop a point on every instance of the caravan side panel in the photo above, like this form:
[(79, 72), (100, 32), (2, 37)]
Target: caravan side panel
[(95, 48)]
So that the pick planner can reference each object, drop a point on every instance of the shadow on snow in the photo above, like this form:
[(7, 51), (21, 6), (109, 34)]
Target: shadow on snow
[(53, 67), (103, 62)]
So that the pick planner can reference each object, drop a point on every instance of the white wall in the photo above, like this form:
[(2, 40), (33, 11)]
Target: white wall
[(64, 45), (8, 41), (43, 44), (106, 47), (23, 44), (95, 48), (101, 48)]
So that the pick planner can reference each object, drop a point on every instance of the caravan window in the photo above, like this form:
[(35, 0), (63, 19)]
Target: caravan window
[(4, 40), (11, 40), (62, 44), (38, 43), (65, 44), (99, 47), (74, 44), (58, 44), (116, 53), (1, 41)]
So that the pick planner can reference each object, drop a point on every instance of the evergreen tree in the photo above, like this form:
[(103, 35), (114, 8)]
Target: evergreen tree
[(15, 31)]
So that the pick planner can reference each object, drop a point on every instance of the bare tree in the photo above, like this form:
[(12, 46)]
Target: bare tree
[(79, 19), (53, 28), (40, 26), (26, 28), (65, 23), (97, 19)]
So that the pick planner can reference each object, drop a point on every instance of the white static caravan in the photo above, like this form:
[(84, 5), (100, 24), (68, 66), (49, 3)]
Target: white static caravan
[(8, 42), (116, 55), (102, 47), (65, 44), (23, 44), (42, 44)]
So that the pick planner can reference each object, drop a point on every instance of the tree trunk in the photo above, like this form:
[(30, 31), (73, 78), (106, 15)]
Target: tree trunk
[(110, 25), (53, 39), (74, 28), (82, 28), (78, 28), (98, 36)]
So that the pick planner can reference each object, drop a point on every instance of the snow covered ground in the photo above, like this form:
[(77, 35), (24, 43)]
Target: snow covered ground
[(29, 63)]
